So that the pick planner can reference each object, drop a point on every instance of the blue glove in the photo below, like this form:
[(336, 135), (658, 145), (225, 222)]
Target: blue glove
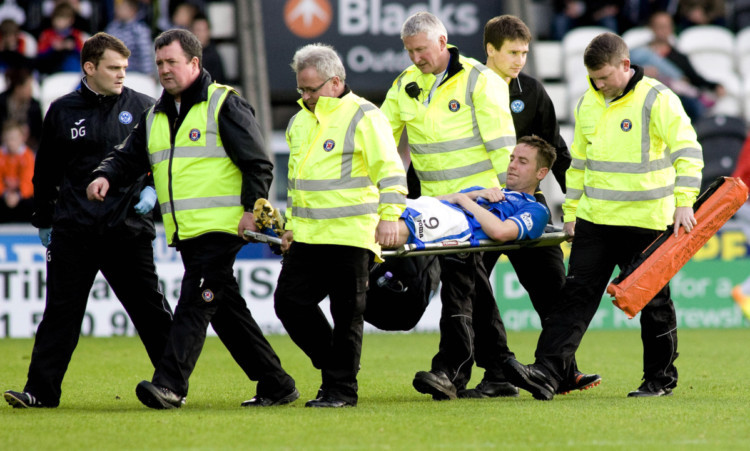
[(44, 235), (147, 202)]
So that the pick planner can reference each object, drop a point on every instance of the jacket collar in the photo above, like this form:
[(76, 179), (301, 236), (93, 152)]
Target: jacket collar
[(454, 65), (90, 96), (637, 76), (327, 102)]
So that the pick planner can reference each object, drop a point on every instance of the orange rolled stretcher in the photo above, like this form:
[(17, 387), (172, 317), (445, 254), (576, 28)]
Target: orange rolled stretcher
[(640, 281)]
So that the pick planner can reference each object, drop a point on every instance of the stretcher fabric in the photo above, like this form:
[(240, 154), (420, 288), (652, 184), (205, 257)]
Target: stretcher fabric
[(640, 281)]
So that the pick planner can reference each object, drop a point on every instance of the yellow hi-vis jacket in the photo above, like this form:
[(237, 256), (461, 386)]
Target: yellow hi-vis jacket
[(464, 136), (634, 160), (197, 184), (345, 173)]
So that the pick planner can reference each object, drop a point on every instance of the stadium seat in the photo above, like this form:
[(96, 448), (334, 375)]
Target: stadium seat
[(56, 85), (547, 60), (231, 58), (708, 44), (576, 77), (143, 83), (722, 138), (742, 49), (30, 44), (637, 37), (558, 93), (221, 16)]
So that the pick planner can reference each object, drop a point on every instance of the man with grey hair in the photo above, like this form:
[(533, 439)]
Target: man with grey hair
[(457, 116), (347, 190)]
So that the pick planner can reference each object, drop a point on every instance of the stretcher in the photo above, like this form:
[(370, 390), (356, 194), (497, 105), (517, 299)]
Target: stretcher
[(638, 283), (551, 238)]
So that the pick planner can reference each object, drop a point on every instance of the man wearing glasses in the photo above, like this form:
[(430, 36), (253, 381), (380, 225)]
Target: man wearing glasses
[(347, 190)]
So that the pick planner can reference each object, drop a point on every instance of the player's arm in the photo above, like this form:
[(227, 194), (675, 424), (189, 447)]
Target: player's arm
[(495, 228)]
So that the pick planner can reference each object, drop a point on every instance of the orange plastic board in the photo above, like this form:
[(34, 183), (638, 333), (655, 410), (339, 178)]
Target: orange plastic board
[(667, 254)]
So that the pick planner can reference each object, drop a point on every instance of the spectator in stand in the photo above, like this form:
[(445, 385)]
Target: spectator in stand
[(16, 172), (135, 34), (569, 14), (662, 26), (636, 13), (60, 45), (184, 14), (80, 22), (212, 62), (701, 12), (15, 50), (17, 103)]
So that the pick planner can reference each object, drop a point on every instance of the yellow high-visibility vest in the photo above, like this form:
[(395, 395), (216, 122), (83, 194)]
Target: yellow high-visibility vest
[(197, 185), (345, 173), (464, 136), (634, 160)]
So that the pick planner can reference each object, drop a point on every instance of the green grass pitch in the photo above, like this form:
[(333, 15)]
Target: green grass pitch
[(710, 409)]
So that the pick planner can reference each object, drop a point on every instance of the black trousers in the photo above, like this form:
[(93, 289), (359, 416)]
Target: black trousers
[(73, 261), (210, 293), (455, 357), (541, 272), (597, 250), (310, 272)]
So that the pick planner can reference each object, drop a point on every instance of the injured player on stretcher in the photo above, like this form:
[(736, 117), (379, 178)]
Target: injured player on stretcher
[(486, 213)]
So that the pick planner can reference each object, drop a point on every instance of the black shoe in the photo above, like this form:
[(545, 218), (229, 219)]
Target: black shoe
[(529, 378), (436, 384), (260, 401), (157, 397), (22, 400), (650, 389), (581, 381), (328, 401), (489, 389)]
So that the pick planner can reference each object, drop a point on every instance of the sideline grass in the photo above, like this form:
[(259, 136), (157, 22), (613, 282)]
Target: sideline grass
[(99, 410)]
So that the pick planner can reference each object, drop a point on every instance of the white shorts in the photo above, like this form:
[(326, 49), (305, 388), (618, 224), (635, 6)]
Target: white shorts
[(430, 221)]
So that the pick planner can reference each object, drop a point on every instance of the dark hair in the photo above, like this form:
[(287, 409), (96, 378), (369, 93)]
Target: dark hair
[(190, 44), (11, 124), (17, 76), (606, 48), (63, 9), (505, 28), (545, 152), (95, 46)]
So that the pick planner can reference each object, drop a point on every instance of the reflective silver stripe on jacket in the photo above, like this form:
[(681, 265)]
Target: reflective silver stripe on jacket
[(643, 167), (464, 143), (345, 180), (211, 150), (201, 203), (336, 212)]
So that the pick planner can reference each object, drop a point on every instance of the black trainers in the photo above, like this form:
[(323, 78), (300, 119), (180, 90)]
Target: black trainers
[(436, 384), (329, 402), (489, 389), (22, 400), (261, 401), (581, 381), (157, 397), (529, 378), (650, 389)]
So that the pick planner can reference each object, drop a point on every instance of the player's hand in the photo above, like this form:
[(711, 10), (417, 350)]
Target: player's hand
[(570, 229), (286, 240), (386, 234), (683, 217), (490, 194), (247, 222), (97, 190)]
